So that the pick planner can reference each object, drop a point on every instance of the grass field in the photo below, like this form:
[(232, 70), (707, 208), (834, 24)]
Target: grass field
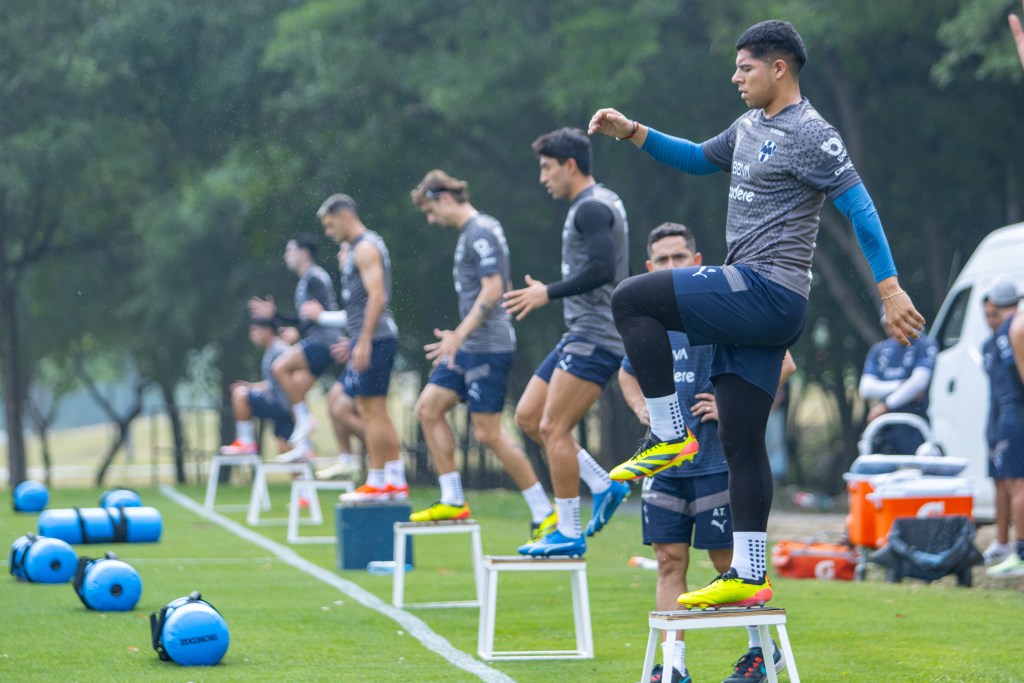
[(288, 625)]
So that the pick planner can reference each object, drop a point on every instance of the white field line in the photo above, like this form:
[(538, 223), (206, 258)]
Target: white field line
[(412, 625)]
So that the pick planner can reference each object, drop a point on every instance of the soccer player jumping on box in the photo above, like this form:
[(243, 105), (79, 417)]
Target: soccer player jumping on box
[(785, 159), (595, 257)]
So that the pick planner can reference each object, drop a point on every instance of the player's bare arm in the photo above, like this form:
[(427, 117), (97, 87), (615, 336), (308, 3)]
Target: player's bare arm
[(614, 124), (903, 320), (371, 272), (1018, 34)]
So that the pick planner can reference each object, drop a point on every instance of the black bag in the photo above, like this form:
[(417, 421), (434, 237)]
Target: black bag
[(929, 548)]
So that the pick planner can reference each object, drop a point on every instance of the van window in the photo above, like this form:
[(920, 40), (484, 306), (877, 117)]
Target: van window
[(952, 324)]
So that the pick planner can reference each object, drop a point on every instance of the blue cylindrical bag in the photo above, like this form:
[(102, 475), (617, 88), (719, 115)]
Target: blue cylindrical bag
[(42, 560), (30, 496), (189, 631), (120, 497), (102, 525), (107, 584)]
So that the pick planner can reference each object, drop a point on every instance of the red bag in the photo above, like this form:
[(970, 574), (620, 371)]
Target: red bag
[(824, 555)]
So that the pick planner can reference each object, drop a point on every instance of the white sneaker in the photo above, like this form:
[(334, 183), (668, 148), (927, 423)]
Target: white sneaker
[(299, 454), (303, 429), (344, 468), (996, 552), (1010, 567)]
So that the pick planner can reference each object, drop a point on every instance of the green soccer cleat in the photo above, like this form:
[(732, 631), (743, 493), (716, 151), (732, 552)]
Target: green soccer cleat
[(655, 456)]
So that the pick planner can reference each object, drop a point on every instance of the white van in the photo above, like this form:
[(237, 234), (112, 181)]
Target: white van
[(959, 390)]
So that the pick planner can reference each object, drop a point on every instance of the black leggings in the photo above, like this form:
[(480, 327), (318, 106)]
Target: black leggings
[(742, 417), (644, 307)]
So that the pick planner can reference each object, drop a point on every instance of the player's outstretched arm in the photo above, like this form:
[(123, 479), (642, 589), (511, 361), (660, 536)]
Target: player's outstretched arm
[(614, 124)]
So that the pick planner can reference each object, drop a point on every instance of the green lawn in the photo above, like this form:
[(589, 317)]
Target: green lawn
[(286, 625)]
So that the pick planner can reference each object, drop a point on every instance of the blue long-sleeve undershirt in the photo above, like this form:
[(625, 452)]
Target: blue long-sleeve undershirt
[(678, 152), (856, 204)]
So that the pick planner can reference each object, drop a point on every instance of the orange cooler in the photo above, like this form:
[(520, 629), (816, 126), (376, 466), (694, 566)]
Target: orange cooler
[(860, 522), (919, 496)]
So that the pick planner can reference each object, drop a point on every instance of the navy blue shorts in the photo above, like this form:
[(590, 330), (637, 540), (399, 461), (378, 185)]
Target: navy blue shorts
[(318, 356), (478, 378), (263, 405), (374, 381), (581, 358), (1008, 455), (750, 320), (993, 469), (692, 510)]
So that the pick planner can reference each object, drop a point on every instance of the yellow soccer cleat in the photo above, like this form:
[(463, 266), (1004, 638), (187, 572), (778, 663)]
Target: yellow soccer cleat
[(728, 590), (441, 512), (655, 456)]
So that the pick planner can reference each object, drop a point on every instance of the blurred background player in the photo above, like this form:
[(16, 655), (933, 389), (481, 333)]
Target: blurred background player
[(264, 399), (471, 362), (298, 368), (898, 377), (1008, 376), (345, 418), (784, 159), (366, 295), (689, 506), (595, 257)]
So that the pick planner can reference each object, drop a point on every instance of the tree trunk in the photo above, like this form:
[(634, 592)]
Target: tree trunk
[(41, 421), (174, 415), (10, 353), (122, 423)]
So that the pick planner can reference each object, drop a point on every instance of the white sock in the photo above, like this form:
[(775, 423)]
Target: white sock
[(305, 446), (375, 478), (301, 411), (537, 500), (348, 459), (592, 474), (753, 637), (394, 472), (749, 551), (569, 524), (245, 431), (677, 657), (666, 417), (451, 488)]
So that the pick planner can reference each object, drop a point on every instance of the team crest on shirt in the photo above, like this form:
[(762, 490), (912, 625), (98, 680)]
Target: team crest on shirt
[(768, 148)]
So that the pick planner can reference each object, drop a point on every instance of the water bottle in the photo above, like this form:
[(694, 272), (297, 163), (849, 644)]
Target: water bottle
[(643, 562), (384, 567)]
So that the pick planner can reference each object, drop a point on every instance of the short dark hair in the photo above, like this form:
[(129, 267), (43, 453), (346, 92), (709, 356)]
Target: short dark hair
[(337, 203), (774, 39), (564, 144), (436, 182), (304, 240), (671, 230)]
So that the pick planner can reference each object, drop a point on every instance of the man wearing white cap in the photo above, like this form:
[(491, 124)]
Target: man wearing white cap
[(1000, 303)]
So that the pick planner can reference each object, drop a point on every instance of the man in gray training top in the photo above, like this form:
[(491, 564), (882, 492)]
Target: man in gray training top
[(366, 294), (298, 368), (595, 257), (471, 362), (784, 160)]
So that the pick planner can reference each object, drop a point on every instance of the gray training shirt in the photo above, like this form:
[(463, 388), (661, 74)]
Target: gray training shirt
[(782, 170), (482, 251), (590, 314), (315, 285), (354, 296)]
